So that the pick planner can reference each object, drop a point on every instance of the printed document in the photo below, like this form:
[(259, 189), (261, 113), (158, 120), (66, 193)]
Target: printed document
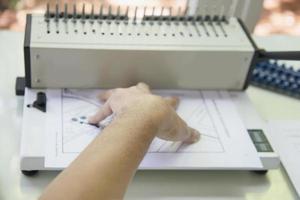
[(224, 141), (285, 137)]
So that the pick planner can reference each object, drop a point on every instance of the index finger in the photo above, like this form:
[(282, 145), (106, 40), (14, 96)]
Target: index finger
[(102, 113), (105, 95), (172, 101), (185, 133)]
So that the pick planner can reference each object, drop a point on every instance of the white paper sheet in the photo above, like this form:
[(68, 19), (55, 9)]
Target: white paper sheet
[(285, 137), (224, 141)]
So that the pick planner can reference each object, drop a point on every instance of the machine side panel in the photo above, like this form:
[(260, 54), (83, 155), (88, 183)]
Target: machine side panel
[(87, 68), (255, 56), (27, 51), (33, 134)]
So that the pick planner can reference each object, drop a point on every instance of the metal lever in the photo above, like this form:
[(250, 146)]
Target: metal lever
[(41, 101)]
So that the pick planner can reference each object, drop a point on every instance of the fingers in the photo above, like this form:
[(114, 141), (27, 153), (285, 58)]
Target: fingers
[(178, 130), (172, 101), (185, 133), (105, 95), (143, 86), (103, 112), (194, 136)]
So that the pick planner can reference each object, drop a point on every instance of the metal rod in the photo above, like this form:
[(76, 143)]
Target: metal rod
[(279, 55), (162, 11), (66, 12), (92, 14), (186, 16), (178, 13), (153, 12), (145, 9), (118, 13), (109, 12), (74, 13), (196, 13), (135, 13), (170, 14), (101, 12), (56, 12), (127, 12), (186, 11), (221, 14), (83, 14), (47, 12)]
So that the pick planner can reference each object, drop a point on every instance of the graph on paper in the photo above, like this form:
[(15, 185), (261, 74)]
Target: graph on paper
[(224, 142), (78, 105)]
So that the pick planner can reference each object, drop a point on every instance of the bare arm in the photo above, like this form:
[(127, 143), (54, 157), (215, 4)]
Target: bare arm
[(104, 169)]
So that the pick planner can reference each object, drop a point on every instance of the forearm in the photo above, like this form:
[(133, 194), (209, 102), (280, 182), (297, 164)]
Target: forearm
[(107, 164)]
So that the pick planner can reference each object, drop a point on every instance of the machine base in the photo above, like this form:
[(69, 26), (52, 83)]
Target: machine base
[(33, 138), (30, 173)]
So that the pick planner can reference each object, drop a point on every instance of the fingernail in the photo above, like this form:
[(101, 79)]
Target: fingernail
[(195, 137)]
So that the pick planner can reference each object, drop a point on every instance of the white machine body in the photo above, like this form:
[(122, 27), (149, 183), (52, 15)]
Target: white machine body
[(165, 53), (208, 50)]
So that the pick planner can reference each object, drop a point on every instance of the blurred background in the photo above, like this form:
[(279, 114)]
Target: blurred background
[(278, 17)]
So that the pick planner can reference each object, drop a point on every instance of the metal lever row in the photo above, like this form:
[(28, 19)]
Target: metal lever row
[(180, 16)]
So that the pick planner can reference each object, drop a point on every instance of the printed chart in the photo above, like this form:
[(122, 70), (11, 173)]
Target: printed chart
[(77, 105)]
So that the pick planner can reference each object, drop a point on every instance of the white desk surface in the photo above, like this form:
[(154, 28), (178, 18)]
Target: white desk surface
[(146, 184)]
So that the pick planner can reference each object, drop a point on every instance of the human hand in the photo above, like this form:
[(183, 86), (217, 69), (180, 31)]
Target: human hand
[(138, 101)]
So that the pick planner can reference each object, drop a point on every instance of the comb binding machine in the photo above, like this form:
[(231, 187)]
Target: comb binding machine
[(65, 50)]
